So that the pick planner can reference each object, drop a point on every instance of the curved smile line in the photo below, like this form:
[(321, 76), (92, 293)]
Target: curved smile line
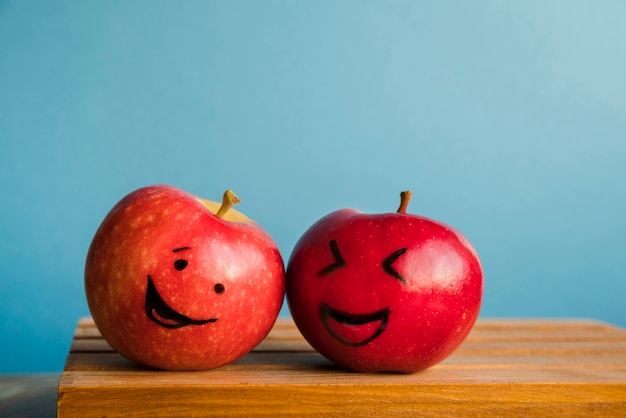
[(162, 314), (327, 314)]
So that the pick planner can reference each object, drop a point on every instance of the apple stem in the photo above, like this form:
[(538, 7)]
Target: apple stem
[(229, 200), (404, 201)]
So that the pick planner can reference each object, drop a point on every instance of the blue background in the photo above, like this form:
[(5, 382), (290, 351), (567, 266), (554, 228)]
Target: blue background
[(505, 119)]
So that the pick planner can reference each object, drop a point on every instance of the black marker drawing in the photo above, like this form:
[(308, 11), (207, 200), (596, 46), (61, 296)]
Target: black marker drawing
[(387, 264), (160, 312), (337, 263), (328, 314)]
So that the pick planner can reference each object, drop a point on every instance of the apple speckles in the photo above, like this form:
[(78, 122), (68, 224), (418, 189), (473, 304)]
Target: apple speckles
[(220, 279), (432, 288)]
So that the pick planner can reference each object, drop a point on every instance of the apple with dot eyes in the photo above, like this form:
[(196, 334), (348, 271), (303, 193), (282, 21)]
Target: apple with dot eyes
[(392, 292), (177, 282)]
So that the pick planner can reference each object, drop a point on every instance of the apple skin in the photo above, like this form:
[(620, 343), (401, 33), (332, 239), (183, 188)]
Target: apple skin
[(397, 293), (172, 286)]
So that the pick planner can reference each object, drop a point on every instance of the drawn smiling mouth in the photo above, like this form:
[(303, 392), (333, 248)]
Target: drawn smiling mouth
[(355, 329), (162, 314)]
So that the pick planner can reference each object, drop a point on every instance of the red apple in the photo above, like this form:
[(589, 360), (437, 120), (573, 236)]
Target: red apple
[(385, 292), (177, 282)]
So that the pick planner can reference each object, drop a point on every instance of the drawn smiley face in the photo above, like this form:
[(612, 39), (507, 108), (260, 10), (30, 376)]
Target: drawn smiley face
[(390, 292), (342, 325), (158, 310)]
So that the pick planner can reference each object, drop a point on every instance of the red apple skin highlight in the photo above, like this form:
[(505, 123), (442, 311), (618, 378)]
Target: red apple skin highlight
[(220, 284), (397, 293)]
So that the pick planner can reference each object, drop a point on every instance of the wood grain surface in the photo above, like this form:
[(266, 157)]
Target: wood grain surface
[(506, 367)]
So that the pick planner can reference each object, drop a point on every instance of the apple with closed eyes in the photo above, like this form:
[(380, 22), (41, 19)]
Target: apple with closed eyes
[(391, 292), (177, 282)]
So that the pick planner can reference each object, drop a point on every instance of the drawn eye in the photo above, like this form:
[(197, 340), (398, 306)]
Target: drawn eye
[(337, 263), (388, 267), (180, 264)]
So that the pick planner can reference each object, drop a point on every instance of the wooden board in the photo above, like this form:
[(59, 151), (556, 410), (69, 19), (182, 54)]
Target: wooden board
[(511, 367)]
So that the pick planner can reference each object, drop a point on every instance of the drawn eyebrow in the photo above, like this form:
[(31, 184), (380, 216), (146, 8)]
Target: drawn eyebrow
[(388, 268), (338, 263), (180, 249)]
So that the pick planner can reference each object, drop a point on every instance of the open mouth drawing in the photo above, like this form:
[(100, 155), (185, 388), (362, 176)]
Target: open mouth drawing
[(353, 330), (162, 314)]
